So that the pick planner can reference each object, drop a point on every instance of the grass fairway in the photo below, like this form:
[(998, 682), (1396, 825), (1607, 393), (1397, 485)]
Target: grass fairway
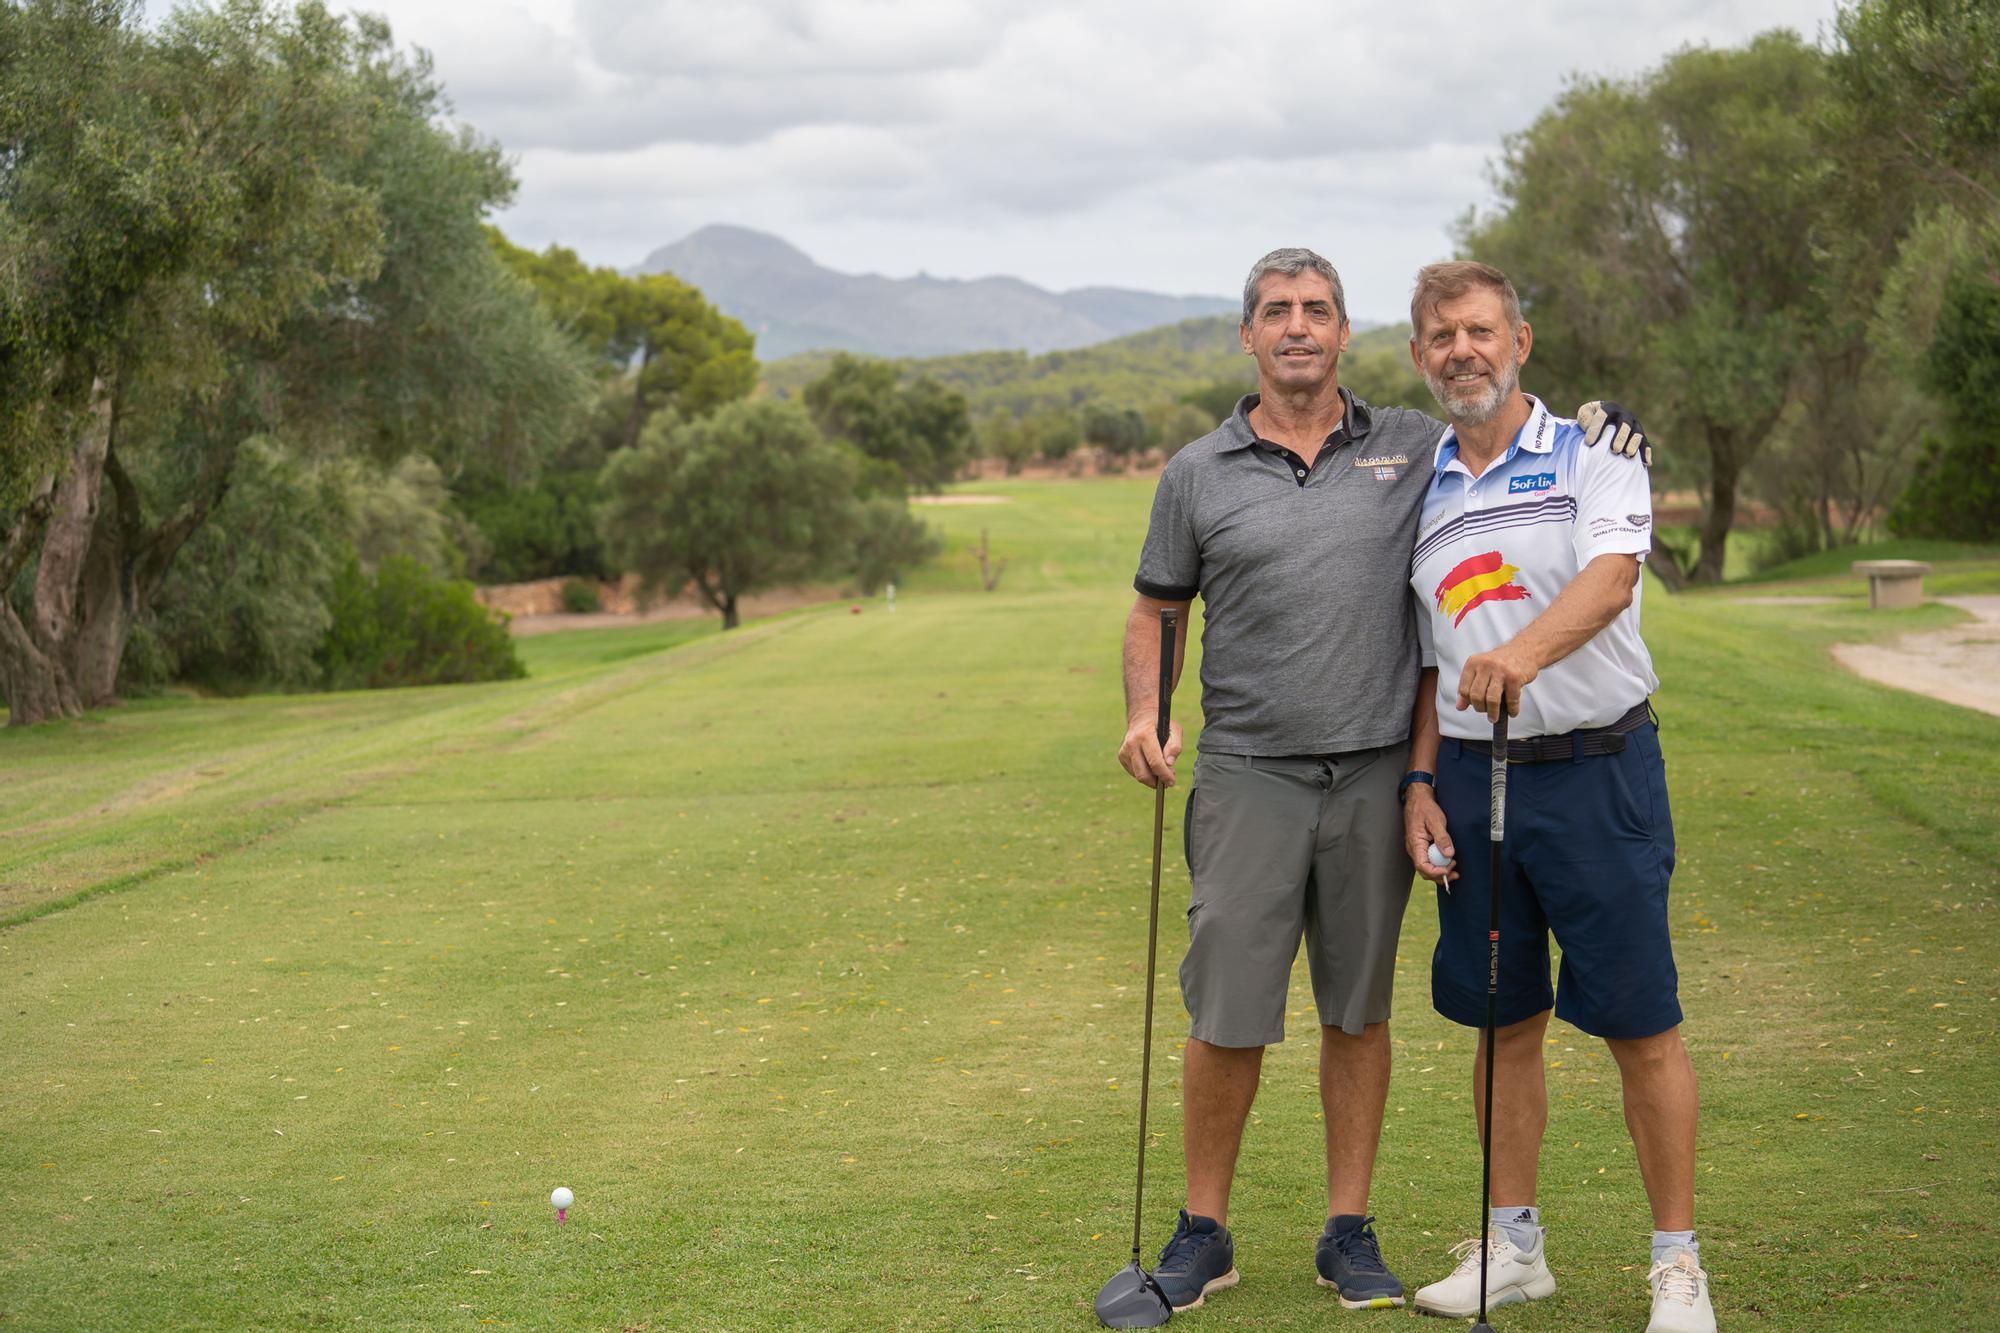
[(810, 957)]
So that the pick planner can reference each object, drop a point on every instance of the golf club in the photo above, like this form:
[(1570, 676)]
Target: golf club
[(1496, 831), (1133, 1298)]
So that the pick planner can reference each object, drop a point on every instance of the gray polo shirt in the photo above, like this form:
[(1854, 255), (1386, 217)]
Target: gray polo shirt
[(1309, 644)]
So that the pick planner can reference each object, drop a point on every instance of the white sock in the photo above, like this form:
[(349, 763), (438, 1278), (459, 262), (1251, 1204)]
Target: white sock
[(1519, 1222), (1670, 1240)]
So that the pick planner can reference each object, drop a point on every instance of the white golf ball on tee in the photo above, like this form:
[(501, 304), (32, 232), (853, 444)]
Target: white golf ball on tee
[(1438, 858), (562, 1198)]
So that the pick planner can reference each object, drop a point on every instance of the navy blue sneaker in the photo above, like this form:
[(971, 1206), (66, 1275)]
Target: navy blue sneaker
[(1349, 1260), (1198, 1260)]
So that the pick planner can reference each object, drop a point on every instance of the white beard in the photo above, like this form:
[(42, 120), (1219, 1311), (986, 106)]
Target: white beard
[(1475, 407)]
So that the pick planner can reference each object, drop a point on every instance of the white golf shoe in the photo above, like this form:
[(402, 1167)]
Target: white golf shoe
[(1680, 1295), (1513, 1275)]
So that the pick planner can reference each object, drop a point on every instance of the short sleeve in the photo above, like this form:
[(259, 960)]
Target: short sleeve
[(1614, 506), (1170, 561)]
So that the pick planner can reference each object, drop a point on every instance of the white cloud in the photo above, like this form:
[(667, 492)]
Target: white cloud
[(1173, 141), (783, 39)]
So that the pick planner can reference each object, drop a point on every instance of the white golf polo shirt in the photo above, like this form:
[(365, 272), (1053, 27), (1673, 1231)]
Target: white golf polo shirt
[(1494, 551)]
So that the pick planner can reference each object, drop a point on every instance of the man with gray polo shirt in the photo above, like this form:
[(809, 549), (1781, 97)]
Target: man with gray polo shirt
[(1293, 521)]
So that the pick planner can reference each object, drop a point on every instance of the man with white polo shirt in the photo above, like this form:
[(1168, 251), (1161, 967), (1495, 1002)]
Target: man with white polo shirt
[(1526, 578)]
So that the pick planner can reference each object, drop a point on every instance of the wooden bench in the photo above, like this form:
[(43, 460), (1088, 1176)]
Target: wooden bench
[(1893, 584)]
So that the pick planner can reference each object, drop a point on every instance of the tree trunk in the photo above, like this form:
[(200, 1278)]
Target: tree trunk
[(72, 525), (718, 595), (1715, 524), (125, 568), (109, 598), (637, 420), (36, 685), (36, 667), (1665, 568)]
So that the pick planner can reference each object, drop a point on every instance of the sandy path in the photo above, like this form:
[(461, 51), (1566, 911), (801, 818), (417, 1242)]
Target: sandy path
[(1960, 665)]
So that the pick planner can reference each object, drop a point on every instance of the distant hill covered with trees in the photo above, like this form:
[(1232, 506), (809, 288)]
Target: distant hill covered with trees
[(1156, 389), (1159, 365)]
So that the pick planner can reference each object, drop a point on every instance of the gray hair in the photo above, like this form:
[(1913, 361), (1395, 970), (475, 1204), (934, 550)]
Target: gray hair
[(1438, 283), (1291, 261)]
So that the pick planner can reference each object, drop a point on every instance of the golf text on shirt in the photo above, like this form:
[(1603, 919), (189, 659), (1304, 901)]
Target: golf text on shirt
[(1493, 552)]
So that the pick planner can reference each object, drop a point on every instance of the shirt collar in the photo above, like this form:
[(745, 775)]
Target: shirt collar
[(1354, 420), (1536, 436)]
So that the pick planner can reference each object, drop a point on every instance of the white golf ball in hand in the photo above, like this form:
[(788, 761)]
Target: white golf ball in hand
[(562, 1198), (1438, 858)]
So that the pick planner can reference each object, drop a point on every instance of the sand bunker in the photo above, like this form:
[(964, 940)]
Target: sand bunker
[(1960, 665)]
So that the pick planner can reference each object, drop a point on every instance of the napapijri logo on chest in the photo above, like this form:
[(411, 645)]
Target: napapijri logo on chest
[(1539, 481), (1387, 467)]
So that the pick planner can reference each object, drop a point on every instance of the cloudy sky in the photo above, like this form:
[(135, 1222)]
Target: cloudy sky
[(1161, 145)]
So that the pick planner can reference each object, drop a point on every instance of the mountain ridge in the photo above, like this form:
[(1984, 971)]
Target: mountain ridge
[(793, 304)]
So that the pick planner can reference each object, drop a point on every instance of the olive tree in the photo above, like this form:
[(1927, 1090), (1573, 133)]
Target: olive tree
[(1661, 232), (744, 499), (247, 223)]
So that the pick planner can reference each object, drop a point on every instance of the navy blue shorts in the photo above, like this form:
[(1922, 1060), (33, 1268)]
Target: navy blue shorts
[(1589, 849)]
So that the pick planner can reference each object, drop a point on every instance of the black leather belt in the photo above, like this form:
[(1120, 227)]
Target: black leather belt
[(1571, 744)]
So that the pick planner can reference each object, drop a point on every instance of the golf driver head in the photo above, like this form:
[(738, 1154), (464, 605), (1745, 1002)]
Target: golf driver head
[(1132, 1299)]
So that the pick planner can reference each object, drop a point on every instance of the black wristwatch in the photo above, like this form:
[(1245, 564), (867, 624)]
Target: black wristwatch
[(1415, 775)]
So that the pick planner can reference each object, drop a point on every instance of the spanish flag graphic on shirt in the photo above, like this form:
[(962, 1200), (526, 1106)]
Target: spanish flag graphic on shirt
[(1475, 581)]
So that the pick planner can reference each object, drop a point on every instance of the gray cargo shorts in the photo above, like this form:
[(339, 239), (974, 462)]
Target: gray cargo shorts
[(1283, 848)]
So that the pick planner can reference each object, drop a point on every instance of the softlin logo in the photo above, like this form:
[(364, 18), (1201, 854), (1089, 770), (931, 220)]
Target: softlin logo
[(1476, 581)]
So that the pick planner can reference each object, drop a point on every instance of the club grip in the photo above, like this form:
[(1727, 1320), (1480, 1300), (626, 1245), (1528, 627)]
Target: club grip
[(1170, 620), (1497, 815)]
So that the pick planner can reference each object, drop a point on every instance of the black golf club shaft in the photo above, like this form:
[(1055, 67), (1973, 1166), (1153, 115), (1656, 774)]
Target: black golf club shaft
[(1169, 620), (1496, 831)]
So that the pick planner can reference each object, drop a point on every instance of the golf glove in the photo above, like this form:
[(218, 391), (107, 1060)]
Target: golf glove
[(1605, 420)]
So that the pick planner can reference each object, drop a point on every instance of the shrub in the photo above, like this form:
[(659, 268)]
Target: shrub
[(244, 604), (406, 626), (543, 529), (580, 597), (889, 539), (1117, 433), (1954, 494)]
